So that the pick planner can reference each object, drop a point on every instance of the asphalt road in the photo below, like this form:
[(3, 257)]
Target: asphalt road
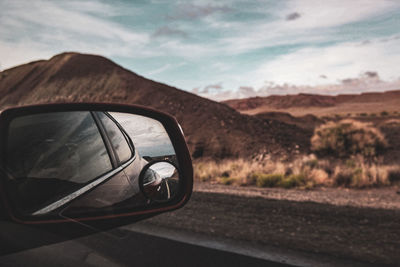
[(220, 230), (123, 247)]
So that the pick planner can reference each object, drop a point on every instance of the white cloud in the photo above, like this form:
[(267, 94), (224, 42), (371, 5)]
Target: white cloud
[(330, 13), (216, 39), (316, 23), (305, 66), (363, 83), (185, 50), (39, 29), (164, 68), (14, 54), (348, 86)]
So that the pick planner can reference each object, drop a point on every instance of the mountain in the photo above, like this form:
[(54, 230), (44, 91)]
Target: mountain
[(319, 105), (212, 129), (309, 122)]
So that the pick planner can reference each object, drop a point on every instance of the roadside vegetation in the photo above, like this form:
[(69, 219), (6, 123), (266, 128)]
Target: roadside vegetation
[(348, 138), (306, 172), (346, 153)]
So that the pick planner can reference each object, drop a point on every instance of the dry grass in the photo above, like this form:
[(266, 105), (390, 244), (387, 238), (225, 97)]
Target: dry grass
[(304, 172), (349, 156)]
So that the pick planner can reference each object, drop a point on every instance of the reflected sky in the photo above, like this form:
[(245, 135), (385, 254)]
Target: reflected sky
[(148, 135)]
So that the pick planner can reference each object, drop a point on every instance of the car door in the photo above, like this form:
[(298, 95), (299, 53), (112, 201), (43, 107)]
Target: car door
[(115, 192), (63, 153)]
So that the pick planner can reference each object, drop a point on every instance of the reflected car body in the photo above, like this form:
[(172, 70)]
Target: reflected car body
[(124, 184), (120, 169), (121, 187)]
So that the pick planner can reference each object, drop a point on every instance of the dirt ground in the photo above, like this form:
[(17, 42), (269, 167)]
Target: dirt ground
[(361, 225)]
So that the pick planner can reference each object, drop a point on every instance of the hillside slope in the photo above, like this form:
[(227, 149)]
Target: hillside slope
[(212, 129), (319, 105)]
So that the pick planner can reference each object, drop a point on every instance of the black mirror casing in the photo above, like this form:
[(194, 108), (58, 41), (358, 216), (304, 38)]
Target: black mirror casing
[(172, 128)]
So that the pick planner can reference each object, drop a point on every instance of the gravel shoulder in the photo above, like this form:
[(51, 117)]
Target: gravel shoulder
[(379, 198), (358, 225)]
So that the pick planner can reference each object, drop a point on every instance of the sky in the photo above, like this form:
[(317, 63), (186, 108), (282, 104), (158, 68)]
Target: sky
[(148, 135), (219, 49)]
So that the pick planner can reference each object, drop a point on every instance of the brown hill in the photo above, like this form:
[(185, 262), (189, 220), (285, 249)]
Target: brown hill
[(282, 102), (212, 129), (308, 122), (319, 104)]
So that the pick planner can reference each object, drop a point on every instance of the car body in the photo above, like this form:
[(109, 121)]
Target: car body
[(77, 160)]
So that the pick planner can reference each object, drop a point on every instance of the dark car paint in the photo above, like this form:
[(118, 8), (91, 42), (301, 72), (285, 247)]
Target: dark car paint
[(173, 130)]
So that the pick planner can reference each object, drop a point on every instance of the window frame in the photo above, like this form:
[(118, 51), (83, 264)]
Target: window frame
[(116, 162)]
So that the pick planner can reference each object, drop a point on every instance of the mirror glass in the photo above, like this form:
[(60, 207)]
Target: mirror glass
[(78, 162), (160, 181)]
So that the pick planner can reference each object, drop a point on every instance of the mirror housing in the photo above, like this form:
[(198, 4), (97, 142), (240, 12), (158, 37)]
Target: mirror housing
[(64, 208)]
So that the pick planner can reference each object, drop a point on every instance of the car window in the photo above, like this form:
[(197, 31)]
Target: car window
[(117, 138), (62, 150)]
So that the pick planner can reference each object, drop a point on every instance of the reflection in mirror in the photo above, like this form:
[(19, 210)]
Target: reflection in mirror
[(79, 162), (160, 181), (149, 136)]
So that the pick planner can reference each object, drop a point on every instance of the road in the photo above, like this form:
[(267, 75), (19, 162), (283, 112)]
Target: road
[(218, 229), (353, 232), (122, 247)]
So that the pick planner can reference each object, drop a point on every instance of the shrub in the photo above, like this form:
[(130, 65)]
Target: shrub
[(294, 180), (347, 138), (312, 163), (394, 175), (319, 177), (361, 175), (384, 113), (343, 176), (268, 180), (229, 180)]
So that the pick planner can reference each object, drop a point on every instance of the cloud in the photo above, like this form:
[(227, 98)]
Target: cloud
[(39, 29), (371, 74), (164, 68), (293, 16), (318, 24), (362, 83), (168, 31), (236, 43), (192, 11), (219, 94), (321, 14), (247, 90), (301, 67), (212, 88), (366, 82), (160, 70)]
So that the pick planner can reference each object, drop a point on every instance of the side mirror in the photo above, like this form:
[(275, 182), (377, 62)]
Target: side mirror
[(63, 162), (159, 181)]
